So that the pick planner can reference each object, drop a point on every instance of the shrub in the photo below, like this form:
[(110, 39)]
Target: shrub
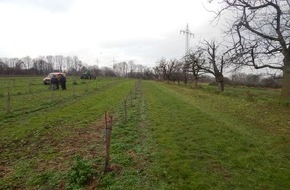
[(79, 174)]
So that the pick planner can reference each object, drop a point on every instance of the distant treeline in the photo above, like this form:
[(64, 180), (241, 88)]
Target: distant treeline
[(72, 65), (41, 65), (172, 70)]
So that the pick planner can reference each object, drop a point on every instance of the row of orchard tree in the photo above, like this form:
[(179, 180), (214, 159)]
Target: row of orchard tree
[(187, 70), (258, 36)]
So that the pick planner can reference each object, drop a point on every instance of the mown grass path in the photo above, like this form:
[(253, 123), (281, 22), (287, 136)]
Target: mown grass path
[(209, 141)]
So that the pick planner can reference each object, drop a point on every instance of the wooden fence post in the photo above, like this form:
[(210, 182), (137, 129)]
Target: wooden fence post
[(8, 107), (73, 86), (29, 87), (131, 101), (125, 109), (8, 99), (87, 86), (51, 91), (108, 123)]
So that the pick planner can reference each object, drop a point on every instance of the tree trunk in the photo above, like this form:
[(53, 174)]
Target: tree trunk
[(185, 81), (194, 83), (285, 92), (220, 82), (221, 86)]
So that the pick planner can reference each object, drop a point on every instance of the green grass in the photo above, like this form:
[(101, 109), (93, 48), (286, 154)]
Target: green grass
[(208, 140), (201, 139), (30, 140), (175, 137)]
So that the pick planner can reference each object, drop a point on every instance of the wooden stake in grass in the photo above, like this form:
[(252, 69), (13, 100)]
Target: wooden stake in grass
[(108, 122), (51, 92), (87, 86), (125, 109), (131, 101), (8, 107), (8, 86), (73, 86), (29, 86)]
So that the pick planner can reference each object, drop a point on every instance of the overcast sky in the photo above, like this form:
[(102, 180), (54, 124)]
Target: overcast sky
[(103, 30)]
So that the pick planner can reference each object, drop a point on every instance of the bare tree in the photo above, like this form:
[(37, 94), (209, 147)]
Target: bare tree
[(76, 64), (147, 73), (167, 69), (68, 61), (178, 74), (108, 72), (193, 62), (121, 68), (132, 67), (125, 66), (19, 65), (172, 66), (160, 70), (39, 65), (3, 67), (27, 62), (59, 60), (140, 69), (261, 35), (157, 73), (215, 62)]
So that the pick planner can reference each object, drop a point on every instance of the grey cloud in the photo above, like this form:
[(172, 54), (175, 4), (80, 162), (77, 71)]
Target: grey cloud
[(170, 47)]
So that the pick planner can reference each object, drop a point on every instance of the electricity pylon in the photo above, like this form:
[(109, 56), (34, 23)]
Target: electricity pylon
[(187, 34)]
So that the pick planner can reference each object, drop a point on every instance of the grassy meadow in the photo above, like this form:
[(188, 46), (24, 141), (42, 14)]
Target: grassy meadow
[(173, 137)]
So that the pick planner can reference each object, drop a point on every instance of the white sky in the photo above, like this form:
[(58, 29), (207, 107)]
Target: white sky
[(139, 30)]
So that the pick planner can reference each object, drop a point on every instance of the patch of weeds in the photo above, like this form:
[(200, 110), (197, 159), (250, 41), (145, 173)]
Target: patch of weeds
[(18, 176), (285, 103), (230, 93), (250, 97), (75, 83), (80, 173), (200, 87), (46, 180), (213, 84), (218, 92)]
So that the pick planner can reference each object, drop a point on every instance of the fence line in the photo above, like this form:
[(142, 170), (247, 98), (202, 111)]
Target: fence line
[(109, 124)]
